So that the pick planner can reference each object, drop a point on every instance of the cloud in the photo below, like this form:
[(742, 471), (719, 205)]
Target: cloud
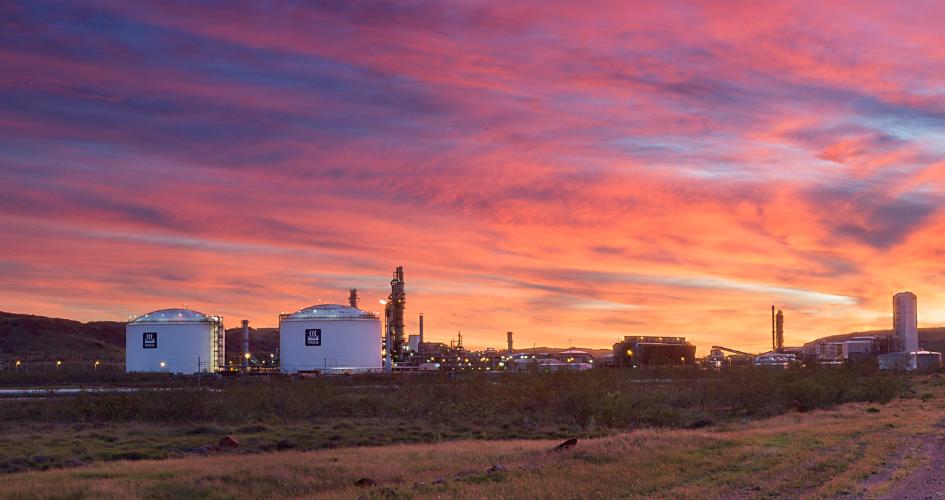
[(873, 218), (544, 167)]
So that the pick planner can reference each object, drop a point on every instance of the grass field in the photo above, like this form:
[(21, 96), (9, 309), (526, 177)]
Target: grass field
[(281, 414), (857, 449), (45, 446)]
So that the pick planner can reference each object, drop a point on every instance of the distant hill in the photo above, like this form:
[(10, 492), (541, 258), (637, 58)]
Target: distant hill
[(931, 339), (596, 353), (54, 338), (262, 342)]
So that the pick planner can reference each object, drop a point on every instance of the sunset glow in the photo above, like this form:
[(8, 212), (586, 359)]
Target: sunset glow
[(570, 171)]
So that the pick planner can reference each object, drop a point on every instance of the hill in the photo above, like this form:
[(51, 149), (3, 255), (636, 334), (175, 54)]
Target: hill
[(56, 338), (596, 353), (262, 342)]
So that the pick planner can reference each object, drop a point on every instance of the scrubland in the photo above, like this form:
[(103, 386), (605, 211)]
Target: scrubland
[(858, 449), (642, 433)]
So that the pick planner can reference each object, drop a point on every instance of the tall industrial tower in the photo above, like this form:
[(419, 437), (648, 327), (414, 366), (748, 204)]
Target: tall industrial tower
[(394, 312), (774, 341), (777, 330), (906, 322), (244, 359), (353, 298)]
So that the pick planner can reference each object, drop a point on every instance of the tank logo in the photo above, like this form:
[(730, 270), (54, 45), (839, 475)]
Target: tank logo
[(313, 336), (150, 340)]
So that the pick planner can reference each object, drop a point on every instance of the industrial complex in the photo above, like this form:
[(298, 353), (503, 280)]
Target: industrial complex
[(335, 338)]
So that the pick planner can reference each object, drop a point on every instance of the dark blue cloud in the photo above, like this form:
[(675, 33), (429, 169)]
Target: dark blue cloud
[(870, 216)]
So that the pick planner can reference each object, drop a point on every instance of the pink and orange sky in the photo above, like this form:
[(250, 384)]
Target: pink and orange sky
[(571, 171)]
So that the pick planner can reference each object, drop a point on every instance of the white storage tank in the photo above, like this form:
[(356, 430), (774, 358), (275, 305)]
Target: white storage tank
[(330, 338), (174, 341), (906, 321)]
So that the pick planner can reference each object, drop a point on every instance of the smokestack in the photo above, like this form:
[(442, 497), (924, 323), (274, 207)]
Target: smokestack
[(245, 361), (780, 331), (773, 343), (353, 298), (420, 342), (509, 335)]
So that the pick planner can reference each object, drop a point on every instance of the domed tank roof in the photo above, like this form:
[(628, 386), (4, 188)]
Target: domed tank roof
[(173, 316), (330, 311)]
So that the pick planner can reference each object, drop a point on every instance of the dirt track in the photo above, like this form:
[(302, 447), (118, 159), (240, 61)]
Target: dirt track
[(928, 481)]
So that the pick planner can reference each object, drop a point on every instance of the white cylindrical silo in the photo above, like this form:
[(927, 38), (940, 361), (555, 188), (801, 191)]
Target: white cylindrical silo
[(330, 338), (174, 341), (906, 321)]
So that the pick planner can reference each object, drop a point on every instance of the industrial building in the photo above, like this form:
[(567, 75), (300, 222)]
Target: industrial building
[(174, 341), (581, 360), (854, 348), (922, 361), (330, 338), (724, 357), (776, 359), (571, 359), (634, 351)]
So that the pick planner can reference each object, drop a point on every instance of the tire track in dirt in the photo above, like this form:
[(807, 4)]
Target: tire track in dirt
[(928, 480)]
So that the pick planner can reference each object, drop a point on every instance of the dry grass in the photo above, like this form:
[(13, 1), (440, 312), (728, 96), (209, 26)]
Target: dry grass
[(42, 446), (821, 453)]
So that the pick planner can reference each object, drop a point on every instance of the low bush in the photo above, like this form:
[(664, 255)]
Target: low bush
[(617, 399)]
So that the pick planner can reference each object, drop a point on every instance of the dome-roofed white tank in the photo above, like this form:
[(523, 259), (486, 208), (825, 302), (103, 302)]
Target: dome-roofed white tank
[(174, 341), (172, 316), (330, 338)]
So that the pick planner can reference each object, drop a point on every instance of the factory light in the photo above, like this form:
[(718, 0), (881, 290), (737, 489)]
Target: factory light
[(247, 356), (629, 352), (383, 302), (163, 364)]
